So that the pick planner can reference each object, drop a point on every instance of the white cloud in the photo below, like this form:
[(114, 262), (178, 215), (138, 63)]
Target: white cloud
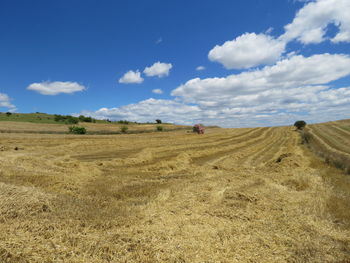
[(293, 72), (157, 91), (294, 88), (159, 40), (158, 69), (247, 50), (309, 26), (267, 108), (310, 23), (131, 77), (56, 87), (149, 110), (5, 101), (200, 68)]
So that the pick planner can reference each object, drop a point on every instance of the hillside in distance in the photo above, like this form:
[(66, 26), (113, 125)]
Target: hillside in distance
[(58, 124)]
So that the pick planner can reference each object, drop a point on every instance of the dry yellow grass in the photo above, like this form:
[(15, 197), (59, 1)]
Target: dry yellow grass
[(231, 195), (331, 141)]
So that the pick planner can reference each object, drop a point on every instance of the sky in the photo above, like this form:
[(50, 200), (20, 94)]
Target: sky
[(242, 63)]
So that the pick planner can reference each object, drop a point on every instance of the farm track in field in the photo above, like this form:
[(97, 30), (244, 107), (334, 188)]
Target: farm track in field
[(230, 195)]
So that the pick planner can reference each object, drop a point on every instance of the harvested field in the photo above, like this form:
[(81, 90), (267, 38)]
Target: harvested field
[(230, 195), (331, 141)]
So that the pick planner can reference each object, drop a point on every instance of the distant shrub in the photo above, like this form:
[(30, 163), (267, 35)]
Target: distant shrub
[(158, 121), (77, 130), (300, 125), (82, 118), (8, 114), (124, 129), (160, 128), (71, 120), (123, 122), (58, 117), (66, 119)]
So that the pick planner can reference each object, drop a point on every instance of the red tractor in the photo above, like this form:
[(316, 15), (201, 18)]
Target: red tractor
[(198, 128)]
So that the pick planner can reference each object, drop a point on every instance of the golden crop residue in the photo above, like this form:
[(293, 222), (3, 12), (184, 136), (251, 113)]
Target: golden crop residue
[(230, 195), (331, 141)]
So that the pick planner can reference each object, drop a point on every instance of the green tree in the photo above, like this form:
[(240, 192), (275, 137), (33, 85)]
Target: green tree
[(300, 125)]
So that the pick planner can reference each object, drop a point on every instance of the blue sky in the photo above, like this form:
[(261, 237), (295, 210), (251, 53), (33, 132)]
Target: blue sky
[(230, 63)]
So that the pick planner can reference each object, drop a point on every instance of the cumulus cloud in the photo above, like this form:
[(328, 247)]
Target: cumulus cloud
[(158, 69), (148, 110), (200, 68), (247, 50), (310, 23), (5, 101), (157, 91), (131, 77), (56, 87), (269, 107), (309, 26), (296, 87), (293, 72)]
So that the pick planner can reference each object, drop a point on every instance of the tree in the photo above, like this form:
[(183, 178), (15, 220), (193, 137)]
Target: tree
[(82, 118), (300, 125), (71, 120), (158, 121), (8, 114)]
